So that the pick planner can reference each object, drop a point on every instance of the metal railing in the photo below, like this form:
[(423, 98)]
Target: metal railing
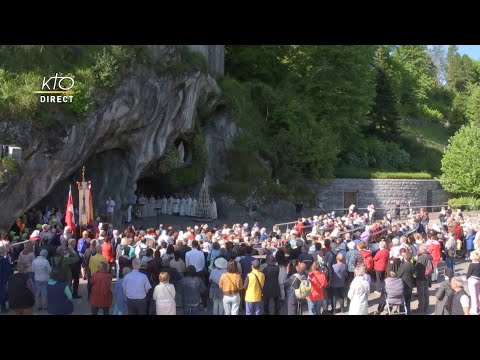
[(392, 208)]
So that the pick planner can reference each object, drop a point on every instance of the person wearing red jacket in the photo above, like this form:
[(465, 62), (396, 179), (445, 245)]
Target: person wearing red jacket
[(107, 251), (299, 227), (101, 295), (317, 295), (435, 249), (380, 261)]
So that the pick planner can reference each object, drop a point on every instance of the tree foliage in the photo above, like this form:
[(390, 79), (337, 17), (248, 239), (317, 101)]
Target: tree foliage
[(384, 116), (303, 104), (460, 165)]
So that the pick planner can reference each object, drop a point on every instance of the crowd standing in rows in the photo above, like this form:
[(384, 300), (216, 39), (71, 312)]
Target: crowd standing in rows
[(322, 262)]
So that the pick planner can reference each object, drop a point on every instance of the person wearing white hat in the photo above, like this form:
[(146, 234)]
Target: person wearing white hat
[(216, 294), (35, 235), (351, 253)]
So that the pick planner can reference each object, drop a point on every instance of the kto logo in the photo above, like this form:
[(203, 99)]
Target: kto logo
[(57, 85)]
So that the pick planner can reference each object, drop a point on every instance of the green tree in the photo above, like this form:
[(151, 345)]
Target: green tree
[(439, 59), (418, 80), (384, 115), (461, 70), (473, 104), (265, 63), (460, 165), (339, 82)]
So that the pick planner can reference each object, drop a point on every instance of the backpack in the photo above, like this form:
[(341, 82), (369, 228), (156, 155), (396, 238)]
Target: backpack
[(325, 270), (367, 260), (143, 252), (304, 289), (429, 268)]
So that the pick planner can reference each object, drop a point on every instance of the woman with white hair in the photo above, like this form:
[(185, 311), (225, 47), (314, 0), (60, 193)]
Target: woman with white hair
[(473, 280), (395, 249), (67, 235), (358, 293), (380, 261), (41, 267)]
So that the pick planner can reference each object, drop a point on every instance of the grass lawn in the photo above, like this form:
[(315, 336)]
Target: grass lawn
[(435, 135), (351, 172)]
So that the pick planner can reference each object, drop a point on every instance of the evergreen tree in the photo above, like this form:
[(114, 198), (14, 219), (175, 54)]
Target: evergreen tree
[(384, 115), (461, 71), (418, 80), (438, 55)]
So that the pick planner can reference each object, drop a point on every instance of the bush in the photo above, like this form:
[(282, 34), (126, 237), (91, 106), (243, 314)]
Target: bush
[(190, 174), (357, 159), (82, 100), (104, 69), (22, 69), (465, 203), (431, 114), (17, 99), (386, 155), (169, 159), (8, 166), (460, 165), (350, 172)]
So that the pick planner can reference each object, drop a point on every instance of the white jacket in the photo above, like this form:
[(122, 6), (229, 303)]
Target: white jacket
[(42, 269), (358, 294)]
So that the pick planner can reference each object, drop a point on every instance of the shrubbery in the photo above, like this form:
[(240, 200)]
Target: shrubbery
[(465, 203), (379, 154), (460, 165), (8, 166), (350, 172), (22, 69)]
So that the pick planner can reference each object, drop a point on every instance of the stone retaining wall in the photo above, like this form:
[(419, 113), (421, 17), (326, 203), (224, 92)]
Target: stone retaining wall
[(382, 193)]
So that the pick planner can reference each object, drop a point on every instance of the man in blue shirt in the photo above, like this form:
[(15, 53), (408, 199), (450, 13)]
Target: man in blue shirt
[(135, 287)]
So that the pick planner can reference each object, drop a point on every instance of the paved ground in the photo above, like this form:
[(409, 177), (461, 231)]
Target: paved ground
[(82, 306)]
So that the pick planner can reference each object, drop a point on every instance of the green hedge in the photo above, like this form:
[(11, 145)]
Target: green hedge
[(363, 173), (464, 203)]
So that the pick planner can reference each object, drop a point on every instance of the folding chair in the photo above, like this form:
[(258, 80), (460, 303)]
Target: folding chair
[(398, 303)]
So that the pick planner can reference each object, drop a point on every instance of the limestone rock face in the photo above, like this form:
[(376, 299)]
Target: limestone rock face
[(219, 137), (116, 142)]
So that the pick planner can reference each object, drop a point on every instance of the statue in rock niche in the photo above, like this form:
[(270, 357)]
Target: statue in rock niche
[(181, 152)]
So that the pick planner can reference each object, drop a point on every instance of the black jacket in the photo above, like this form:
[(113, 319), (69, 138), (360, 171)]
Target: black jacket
[(272, 286), (422, 261), (405, 272)]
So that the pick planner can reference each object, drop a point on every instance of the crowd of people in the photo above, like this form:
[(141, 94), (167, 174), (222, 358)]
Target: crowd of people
[(325, 263)]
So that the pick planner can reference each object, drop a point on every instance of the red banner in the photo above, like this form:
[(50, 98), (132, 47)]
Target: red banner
[(70, 214)]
